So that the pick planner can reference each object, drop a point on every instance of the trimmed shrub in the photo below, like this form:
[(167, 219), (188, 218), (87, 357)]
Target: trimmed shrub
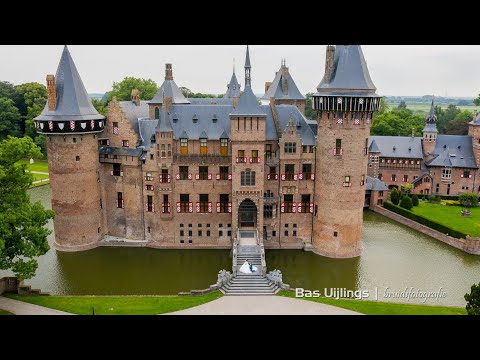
[(415, 200), (434, 198), (424, 221), (449, 197), (451, 202), (395, 196), (468, 199), (406, 203)]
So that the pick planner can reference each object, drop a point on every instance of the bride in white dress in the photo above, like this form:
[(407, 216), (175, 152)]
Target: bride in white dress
[(245, 268)]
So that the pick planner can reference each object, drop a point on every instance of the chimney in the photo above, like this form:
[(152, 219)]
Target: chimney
[(52, 92), (167, 101), (267, 85), (136, 97), (329, 62), (475, 115), (168, 72), (284, 78), (235, 102)]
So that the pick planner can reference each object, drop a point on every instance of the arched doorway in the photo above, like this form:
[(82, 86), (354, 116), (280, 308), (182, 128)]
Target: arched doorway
[(247, 214)]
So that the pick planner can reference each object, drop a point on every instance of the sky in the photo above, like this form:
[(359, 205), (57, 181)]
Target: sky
[(408, 70)]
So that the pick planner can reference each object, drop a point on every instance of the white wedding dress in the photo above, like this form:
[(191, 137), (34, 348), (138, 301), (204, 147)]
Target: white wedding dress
[(245, 268)]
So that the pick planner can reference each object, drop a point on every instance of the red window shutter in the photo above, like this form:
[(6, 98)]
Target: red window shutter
[(229, 176), (295, 177), (282, 207), (190, 207), (294, 207), (218, 207), (209, 177), (210, 207), (177, 177), (178, 207), (299, 207), (217, 176), (283, 177), (300, 176), (312, 177), (198, 207), (311, 208), (197, 176), (229, 207), (189, 176)]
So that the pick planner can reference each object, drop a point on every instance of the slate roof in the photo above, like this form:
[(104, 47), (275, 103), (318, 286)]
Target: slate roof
[(350, 71), (210, 101), (373, 148), (72, 101), (247, 59), (170, 89), (431, 121), (165, 122), (248, 104), (276, 89), (233, 87), (454, 151), (476, 121), (406, 147), (375, 184), (147, 129), (134, 112)]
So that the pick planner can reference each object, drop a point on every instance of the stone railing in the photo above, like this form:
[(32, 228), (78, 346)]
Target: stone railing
[(235, 253), (275, 276)]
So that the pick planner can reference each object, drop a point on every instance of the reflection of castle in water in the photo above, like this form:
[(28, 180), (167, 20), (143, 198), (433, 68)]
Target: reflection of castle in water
[(173, 172)]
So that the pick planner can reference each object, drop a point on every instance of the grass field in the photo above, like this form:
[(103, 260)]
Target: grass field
[(39, 177), (383, 308), (426, 107), (451, 217), (38, 165), (118, 305), (4, 312)]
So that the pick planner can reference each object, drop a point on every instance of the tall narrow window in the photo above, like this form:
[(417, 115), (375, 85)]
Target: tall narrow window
[(338, 147), (223, 147), (288, 199), (164, 176), (224, 203), (117, 170), (203, 199), (362, 180), (169, 150), (306, 171), (394, 177), (241, 156), (223, 172), (347, 181), (405, 178), (203, 146), (183, 170), (255, 158), (184, 146), (267, 211), (164, 154), (157, 113), (115, 128), (305, 203), (150, 203), (120, 200), (184, 203), (203, 172), (165, 205), (289, 171), (124, 143), (247, 178), (268, 151)]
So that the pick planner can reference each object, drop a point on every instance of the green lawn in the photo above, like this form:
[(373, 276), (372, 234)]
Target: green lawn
[(118, 305), (451, 217), (38, 165), (383, 308), (39, 177), (5, 312)]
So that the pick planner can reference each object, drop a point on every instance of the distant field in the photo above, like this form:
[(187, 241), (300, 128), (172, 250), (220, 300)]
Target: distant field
[(38, 165), (426, 107)]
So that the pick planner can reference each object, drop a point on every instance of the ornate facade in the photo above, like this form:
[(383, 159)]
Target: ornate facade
[(173, 172)]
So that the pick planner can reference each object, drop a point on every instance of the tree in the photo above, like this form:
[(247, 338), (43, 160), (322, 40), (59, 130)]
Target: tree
[(9, 118), (477, 101), (397, 123), (309, 112), (414, 200), (189, 94), (473, 300), (383, 108), (407, 187), (123, 89), (23, 235), (7, 90), (33, 97), (395, 196), (402, 105), (468, 198), (406, 203), (100, 105), (459, 125)]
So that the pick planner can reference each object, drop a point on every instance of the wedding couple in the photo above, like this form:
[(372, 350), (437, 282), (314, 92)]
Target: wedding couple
[(247, 268)]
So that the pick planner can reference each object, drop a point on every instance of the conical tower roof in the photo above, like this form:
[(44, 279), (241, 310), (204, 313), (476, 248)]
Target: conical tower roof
[(233, 87), (431, 121), (72, 100), (170, 89), (277, 91)]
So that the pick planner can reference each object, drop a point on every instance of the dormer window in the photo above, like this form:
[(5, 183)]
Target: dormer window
[(157, 113), (195, 118), (223, 147), (214, 118), (153, 140), (184, 146), (203, 146), (175, 118)]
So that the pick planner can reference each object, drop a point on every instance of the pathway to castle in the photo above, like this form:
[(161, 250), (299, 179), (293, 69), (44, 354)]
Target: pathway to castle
[(263, 305), (22, 308)]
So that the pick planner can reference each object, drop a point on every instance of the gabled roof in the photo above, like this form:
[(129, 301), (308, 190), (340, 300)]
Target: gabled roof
[(147, 129), (72, 101), (134, 112), (404, 147), (248, 104), (164, 123), (375, 184), (454, 151), (169, 88), (276, 90), (210, 101), (233, 87), (203, 135), (350, 72)]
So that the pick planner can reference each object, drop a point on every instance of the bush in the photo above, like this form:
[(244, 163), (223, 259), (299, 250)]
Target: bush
[(468, 199), (449, 197), (415, 200), (473, 300), (395, 196), (434, 198), (424, 221), (406, 203)]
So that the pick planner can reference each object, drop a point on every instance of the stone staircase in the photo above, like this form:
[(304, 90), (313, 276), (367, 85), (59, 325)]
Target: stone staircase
[(249, 284)]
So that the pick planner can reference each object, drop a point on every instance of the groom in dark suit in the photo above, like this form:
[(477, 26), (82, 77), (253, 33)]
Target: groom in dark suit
[(251, 266)]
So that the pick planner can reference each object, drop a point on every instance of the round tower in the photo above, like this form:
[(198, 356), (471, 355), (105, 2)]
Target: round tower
[(345, 103), (71, 124)]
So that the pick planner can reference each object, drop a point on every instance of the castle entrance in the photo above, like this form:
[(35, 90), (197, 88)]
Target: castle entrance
[(247, 214)]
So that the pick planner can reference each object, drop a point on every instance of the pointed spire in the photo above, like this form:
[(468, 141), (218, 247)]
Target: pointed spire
[(373, 148), (233, 65), (71, 98), (431, 121), (233, 87), (248, 68)]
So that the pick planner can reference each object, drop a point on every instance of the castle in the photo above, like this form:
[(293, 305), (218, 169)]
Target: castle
[(173, 172)]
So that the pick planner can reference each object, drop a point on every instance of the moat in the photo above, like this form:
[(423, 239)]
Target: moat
[(394, 257)]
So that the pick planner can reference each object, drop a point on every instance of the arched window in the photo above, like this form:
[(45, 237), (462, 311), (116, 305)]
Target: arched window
[(157, 113), (247, 178)]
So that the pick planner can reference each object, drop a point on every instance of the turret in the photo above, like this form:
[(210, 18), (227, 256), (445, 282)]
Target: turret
[(71, 125), (474, 132), (430, 133), (345, 103)]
